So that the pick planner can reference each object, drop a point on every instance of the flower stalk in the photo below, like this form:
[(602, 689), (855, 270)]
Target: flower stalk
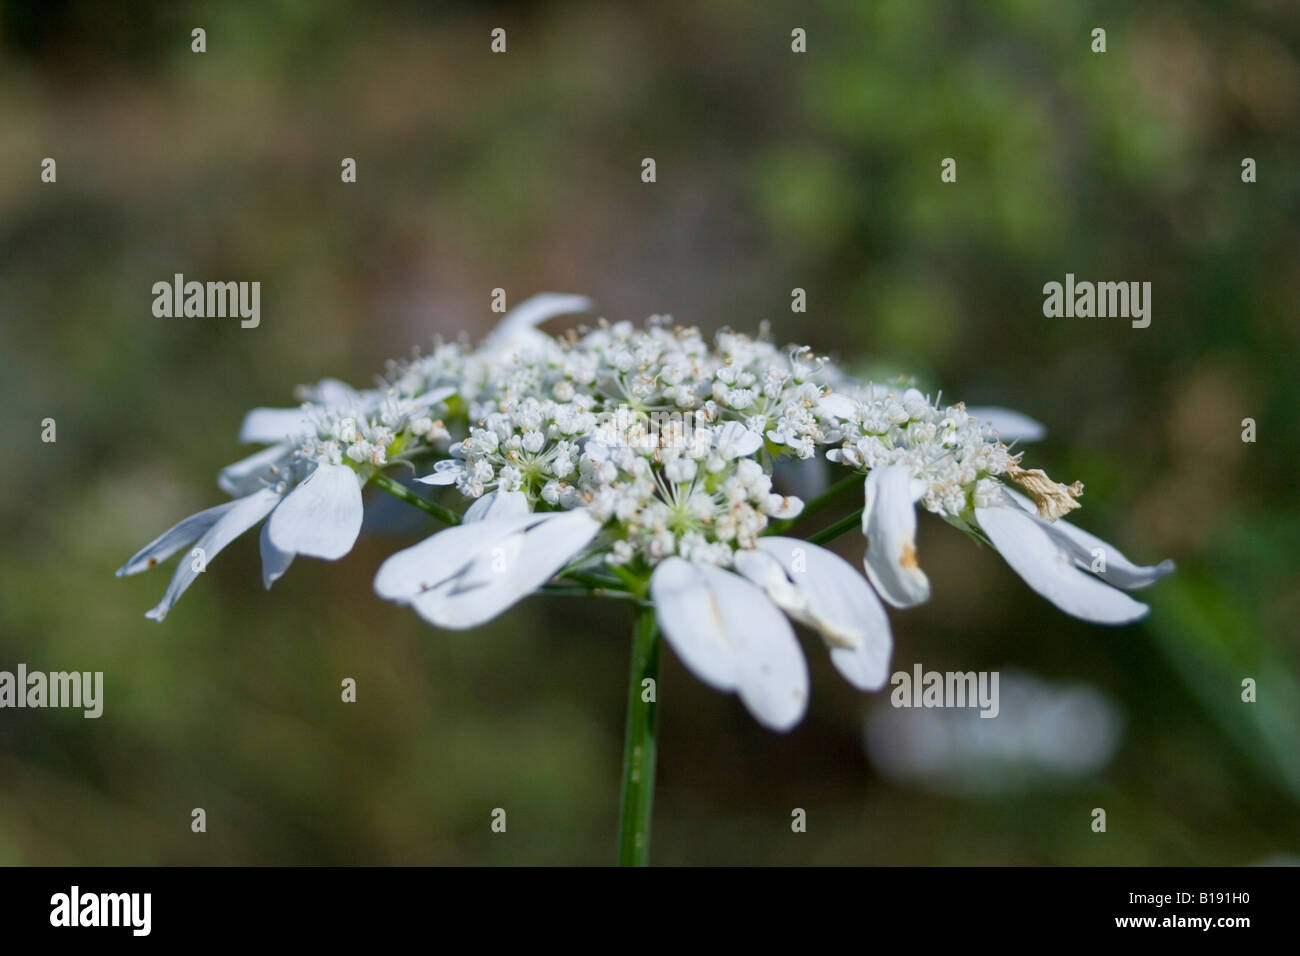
[(833, 531), (400, 491), (827, 497), (640, 742)]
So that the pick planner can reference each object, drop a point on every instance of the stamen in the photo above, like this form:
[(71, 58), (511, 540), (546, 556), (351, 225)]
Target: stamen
[(1053, 498)]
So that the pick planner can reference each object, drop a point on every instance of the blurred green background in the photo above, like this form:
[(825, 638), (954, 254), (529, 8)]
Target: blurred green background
[(776, 170)]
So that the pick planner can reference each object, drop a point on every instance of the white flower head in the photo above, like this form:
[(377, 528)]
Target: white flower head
[(653, 463)]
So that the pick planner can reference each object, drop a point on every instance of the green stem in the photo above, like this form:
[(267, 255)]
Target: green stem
[(829, 496), (399, 490), (636, 583), (640, 742), (591, 579), (560, 590), (833, 531)]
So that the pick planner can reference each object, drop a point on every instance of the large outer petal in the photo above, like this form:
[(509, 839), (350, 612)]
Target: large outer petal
[(889, 522), (440, 556), (238, 517), (1049, 568), (282, 424), (763, 569), (1010, 425), (333, 393), (509, 571), (275, 424), (692, 623), (842, 606), (731, 636), (274, 561), (321, 517), (433, 397), (248, 474), (496, 506), (1120, 571), (517, 327), (173, 539)]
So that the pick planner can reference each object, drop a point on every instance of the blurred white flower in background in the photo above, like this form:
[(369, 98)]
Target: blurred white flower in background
[(1045, 734)]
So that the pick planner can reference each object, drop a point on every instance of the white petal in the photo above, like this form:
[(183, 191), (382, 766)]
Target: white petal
[(729, 635), (433, 397), (437, 558), (692, 623), (840, 604), (771, 674), (734, 440), (1010, 425), (333, 392), (455, 557), (1048, 567), (274, 561), (782, 506), (1120, 571), (767, 572), (173, 539), (238, 518), (248, 474), (480, 572), (275, 424), (889, 522), (1022, 500), (519, 321), (865, 667), (511, 570), (321, 517), (838, 404), (444, 472), (497, 505)]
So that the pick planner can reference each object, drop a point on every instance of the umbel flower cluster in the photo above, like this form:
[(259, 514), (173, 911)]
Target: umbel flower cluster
[(640, 462)]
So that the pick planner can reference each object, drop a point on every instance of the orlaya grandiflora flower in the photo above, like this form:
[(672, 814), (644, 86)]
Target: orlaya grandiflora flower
[(282, 429), (952, 460), (467, 574), (641, 461), (319, 455), (312, 497), (320, 517), (517, 329), (1076, 571), (1009, 425), (285, 429), (1073, 569), (728, 628), (725, 624)]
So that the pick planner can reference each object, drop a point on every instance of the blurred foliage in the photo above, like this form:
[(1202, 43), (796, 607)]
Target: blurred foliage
[(776, 171)]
